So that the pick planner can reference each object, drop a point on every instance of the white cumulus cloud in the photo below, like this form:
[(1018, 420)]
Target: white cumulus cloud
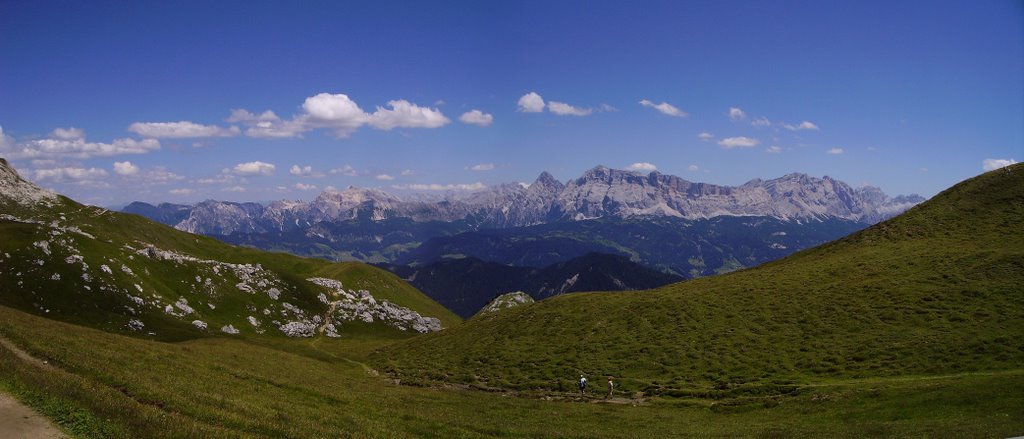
[(68, 143), (268, 124), (482, 167), (70, 133), (181, 130), (404, 114), (736, 114), (834, 151), (125, 168), (705, 136), (664, 108), (158, 175), (305, 171), (305, 187), (345, 170), (805, 125), (641, 167), (239, 115), (180, 191), (334, 111), (738, 142), (693, 168), (233, 189), (563, 109), (69, 173), (477, 117), (993, 164), (384, 177), (254, 168), (774, 149), (223, 178), (340, 114), (761, 122), (531, 103)]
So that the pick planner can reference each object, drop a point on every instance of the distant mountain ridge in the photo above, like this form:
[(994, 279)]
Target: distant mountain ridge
[(599, 192)]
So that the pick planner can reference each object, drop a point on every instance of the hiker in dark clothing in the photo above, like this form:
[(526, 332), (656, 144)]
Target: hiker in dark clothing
[(583, 385)]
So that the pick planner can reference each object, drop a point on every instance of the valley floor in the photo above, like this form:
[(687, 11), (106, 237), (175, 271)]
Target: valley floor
[(98, 384)]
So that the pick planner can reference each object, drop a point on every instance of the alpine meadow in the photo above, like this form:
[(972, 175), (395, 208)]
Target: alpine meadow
[(511, 219)]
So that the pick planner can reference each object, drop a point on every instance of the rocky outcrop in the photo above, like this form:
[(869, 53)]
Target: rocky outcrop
[(352, 305), (507, 301)]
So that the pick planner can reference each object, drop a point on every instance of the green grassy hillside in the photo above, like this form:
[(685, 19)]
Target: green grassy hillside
[(938, 290), (122, 272), (98, 384)]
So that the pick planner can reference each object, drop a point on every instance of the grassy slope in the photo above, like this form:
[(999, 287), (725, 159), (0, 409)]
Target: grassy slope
[(67, 298), (275, 387), (935, 291)]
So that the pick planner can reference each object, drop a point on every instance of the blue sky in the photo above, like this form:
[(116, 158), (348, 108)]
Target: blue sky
[(110, 102)]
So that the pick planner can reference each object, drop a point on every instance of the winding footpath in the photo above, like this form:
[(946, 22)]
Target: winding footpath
[(18, 421)]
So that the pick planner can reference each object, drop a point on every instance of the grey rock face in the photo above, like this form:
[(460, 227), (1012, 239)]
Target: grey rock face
[(609, 192), (16, 190)]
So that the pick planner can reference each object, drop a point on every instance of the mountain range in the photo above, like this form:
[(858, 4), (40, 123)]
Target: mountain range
[(598, 193), (514, 234)]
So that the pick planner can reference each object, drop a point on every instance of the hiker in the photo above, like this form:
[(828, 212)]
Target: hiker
[(583, 385), (611, 385)]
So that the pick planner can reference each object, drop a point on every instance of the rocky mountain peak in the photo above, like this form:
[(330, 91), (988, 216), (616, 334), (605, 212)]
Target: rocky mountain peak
[(546, 184), (795, 176), (599, 172), (547, 180), (356, 195), (19, 191), (601, 175)]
